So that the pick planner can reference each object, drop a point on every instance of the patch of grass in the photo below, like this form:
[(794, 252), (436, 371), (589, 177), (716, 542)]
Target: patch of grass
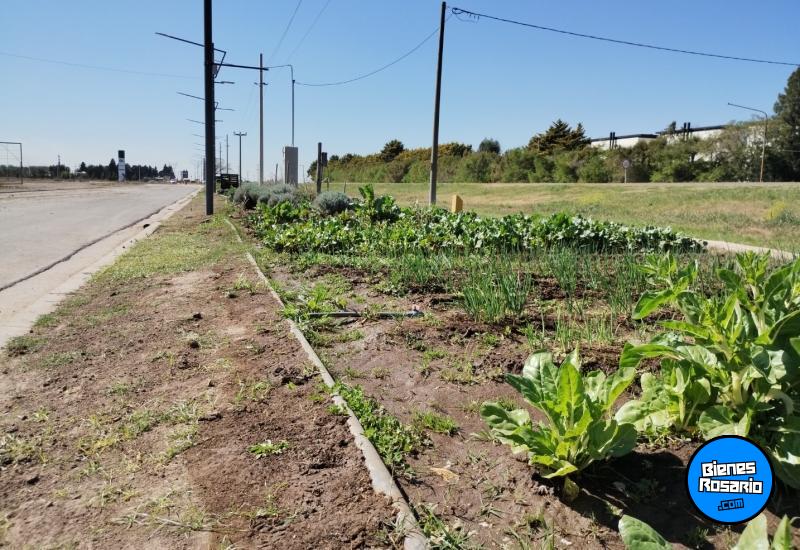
[(439, 423), (352, 373), (268, 448), (16, 449), (256, 391), (243, 283), (45, 321), (168, 252), (22, 345), (380, 373), (106, 314), (119, 388), (392, 439), (180, 440), (441, 535), (41, 414), (493, 291), (461, 372), (58, 359)]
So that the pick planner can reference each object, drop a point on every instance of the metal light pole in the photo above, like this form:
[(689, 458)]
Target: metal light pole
[(240, 135), (227, 161), (764, 142), (435, 145)]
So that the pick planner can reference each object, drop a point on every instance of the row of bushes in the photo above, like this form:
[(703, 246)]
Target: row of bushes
[(335, 224), (734, 155)]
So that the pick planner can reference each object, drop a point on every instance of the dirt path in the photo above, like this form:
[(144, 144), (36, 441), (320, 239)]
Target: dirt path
[(129, 416)]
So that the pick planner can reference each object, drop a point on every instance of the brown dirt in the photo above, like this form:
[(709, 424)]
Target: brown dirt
[(450, 364), (129, 426)]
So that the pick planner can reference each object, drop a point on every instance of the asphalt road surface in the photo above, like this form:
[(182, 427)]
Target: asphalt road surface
[(41, 226)]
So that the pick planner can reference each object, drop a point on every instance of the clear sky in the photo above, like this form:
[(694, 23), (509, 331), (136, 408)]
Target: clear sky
[(500, 81)]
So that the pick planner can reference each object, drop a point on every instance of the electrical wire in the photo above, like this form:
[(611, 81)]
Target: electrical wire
[(376, 71), (97, 67), (310, 28), (458, 11), (285, 31)]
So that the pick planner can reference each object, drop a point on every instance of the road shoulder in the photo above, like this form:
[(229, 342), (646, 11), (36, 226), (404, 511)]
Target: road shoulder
[(165, 404)]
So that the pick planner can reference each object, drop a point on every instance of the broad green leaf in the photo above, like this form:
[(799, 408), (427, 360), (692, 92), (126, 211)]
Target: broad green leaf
[(616, 384), (637, 535), (569, 390), (559, 468), (687, 328), (593, 383), (754, 536), (719, 420), (785, 454), (650, 301), (786, 327), (731, 279), (632, 355), (632, 412), (782, 540), (699, 391), (607, 438)]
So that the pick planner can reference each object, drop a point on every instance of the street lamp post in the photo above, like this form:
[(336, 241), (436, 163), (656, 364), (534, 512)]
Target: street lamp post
[(764, 141), (291, 70)]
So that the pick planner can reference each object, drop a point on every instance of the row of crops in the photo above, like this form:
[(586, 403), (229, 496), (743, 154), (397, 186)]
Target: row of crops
[(713, 350)]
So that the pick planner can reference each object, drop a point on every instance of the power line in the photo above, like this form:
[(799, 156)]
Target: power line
[(459, 11), (310, 28), (96, 67), (285, 31), (376, 71)]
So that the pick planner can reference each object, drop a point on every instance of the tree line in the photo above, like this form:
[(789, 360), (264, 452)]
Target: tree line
[(562, 154), (89, 171)]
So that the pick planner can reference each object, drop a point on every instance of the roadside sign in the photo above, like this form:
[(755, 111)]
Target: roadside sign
[(625, 165)]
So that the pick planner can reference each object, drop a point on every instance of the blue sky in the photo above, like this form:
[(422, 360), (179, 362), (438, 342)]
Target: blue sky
[(500, 81)]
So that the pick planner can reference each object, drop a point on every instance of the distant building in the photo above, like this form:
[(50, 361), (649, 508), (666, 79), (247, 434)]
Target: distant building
[(613, 141)]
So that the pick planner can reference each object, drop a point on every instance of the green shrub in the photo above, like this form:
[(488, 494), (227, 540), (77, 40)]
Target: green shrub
[(332, 202), (580, 427), (731, 366)]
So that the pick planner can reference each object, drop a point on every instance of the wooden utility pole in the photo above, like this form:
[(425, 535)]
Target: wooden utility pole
[(319, 168), (435, 146), (208, 51)]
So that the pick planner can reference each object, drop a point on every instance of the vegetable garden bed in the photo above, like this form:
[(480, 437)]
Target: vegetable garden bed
[(492, 294)]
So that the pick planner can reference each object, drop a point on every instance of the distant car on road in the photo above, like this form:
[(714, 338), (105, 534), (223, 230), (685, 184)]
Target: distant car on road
[(173, 180)]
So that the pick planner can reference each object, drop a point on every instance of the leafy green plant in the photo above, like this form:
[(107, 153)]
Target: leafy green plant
[(439, 423), (580, 428), (332, 202), (492, 292), (732, 365), (392, 439), (637, 535), (268, 448)]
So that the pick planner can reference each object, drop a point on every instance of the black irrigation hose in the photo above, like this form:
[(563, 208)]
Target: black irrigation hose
[(379, 315)]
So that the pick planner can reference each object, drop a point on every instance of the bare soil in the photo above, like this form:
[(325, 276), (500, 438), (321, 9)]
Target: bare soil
[(126, 422), (450, 364)]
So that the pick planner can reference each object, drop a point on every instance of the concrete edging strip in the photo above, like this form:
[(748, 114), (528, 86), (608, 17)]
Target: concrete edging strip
[(382, 480)]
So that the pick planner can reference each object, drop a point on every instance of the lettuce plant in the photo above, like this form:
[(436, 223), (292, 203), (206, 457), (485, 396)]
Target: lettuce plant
[(580, 427), (732, 364)]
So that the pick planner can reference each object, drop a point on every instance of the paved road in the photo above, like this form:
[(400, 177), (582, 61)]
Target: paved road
[(43, 226)]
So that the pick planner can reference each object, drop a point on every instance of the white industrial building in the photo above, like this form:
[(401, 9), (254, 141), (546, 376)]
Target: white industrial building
[(613, 141)]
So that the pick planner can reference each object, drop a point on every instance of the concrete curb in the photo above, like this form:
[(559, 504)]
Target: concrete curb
[(725, 246), (382, 480)]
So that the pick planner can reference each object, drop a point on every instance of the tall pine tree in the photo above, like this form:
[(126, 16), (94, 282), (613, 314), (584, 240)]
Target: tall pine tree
[(787, 110)]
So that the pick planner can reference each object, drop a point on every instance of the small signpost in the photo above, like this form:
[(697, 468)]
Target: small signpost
[(121, 165), (625, 165)]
